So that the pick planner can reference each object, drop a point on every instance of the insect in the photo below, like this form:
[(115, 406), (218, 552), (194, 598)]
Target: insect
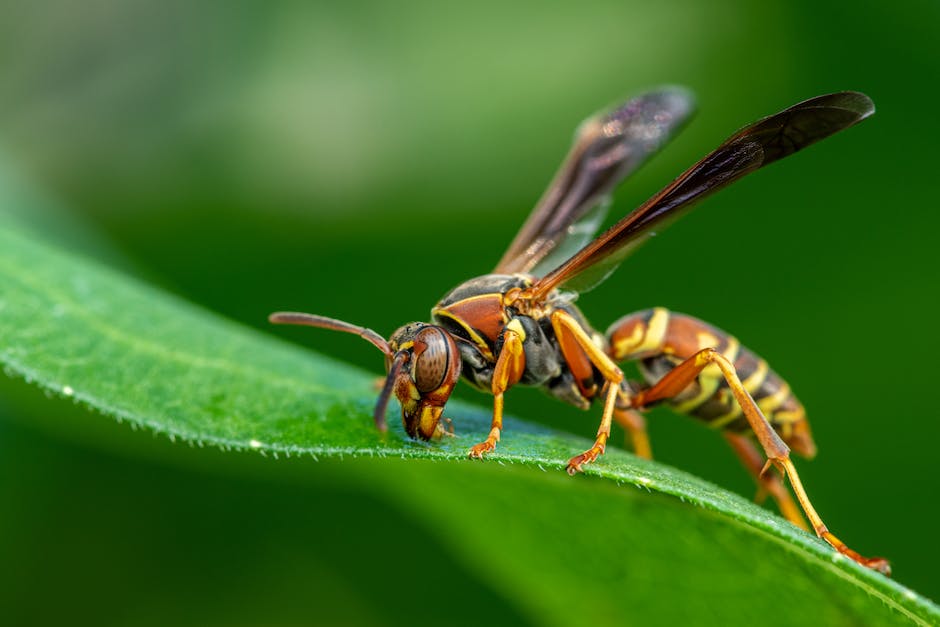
[(519, 325)]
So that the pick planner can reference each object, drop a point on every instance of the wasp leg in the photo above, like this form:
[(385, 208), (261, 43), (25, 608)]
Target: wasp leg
[(509, 367), (778, 453), (567, 329), (603, 434), (635, 425), (767, 483)]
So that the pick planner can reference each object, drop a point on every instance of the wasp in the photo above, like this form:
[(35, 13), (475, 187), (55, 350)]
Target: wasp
[(519, 325)]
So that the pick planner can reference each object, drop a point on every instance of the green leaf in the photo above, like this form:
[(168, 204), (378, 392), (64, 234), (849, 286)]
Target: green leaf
[(589, 549)]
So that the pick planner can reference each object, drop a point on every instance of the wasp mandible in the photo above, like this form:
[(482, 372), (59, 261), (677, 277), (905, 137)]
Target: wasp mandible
[(519, 325)]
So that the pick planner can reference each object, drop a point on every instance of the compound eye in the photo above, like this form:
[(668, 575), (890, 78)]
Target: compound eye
[(432, 359)]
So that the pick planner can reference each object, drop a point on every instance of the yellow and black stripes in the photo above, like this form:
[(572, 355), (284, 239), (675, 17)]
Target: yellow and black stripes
[(659, 340), (638, 335)]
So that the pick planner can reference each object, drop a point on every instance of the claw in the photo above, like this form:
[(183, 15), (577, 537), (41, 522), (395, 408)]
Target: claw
[(477, 451), (587, 457), (879, 564), (440, 431), (450, 430)]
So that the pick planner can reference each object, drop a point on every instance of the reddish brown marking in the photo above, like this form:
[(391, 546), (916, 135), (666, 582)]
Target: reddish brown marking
[(683, 332), (578, 362), (631, 326), (484, 314)]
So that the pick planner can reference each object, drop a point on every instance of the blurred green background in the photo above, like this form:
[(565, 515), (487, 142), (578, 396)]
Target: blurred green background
[(359, 160)]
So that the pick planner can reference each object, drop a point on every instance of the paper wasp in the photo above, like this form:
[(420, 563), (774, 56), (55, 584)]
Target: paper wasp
[(519, 325)]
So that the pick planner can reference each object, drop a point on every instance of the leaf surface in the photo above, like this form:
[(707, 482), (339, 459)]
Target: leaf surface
[(139, 355)]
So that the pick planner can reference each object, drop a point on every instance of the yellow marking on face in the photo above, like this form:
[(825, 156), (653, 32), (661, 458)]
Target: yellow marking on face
[(516, 327), (770, 403), (652, 340), (429, 419), (410, 404), (756, 379), (474, 336)]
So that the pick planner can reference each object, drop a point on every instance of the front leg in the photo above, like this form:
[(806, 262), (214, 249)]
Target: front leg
[(510, 364)]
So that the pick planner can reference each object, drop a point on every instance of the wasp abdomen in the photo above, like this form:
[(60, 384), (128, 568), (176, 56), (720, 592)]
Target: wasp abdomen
[(660, 340)]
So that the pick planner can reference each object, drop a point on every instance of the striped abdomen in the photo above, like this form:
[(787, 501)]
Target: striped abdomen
[(659, 340)]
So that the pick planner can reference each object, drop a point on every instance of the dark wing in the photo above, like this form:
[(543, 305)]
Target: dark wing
[(751, 148), (608, 146)]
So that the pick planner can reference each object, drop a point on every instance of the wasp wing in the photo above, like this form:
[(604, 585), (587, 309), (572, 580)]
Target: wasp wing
[(608, 147), (763, 142)]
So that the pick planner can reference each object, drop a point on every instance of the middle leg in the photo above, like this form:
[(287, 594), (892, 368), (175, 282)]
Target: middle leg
[(571, 337), (633, 423)]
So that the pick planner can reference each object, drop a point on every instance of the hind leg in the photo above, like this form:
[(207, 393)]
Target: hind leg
[(777, 452), (767, 483)]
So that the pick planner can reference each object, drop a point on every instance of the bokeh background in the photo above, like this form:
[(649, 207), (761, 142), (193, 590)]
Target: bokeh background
[(358, 160)]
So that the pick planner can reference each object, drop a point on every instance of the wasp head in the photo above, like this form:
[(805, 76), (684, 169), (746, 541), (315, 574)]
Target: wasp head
[(422, 364), (423, 368)]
